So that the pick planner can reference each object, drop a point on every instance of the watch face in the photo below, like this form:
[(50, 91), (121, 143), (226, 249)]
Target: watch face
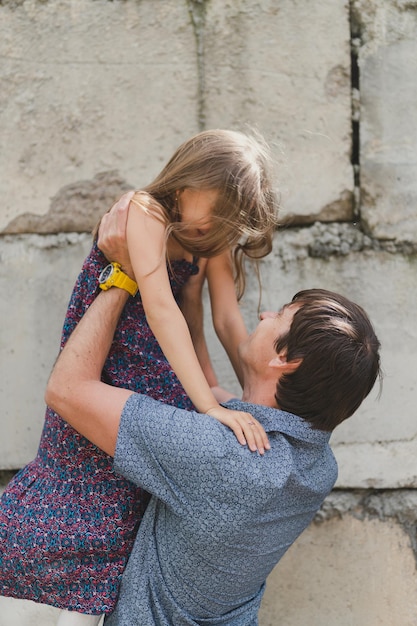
[(105, 274)]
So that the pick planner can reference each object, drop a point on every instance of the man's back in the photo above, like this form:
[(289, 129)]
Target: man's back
[(222, 516)]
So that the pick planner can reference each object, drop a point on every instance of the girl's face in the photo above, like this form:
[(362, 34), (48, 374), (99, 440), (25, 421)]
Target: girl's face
[(196, 208)]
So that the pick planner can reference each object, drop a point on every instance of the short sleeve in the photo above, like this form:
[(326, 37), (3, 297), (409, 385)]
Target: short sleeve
[(161, 447)]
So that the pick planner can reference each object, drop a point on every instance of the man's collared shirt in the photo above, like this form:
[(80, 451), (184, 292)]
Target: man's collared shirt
[(221, 516)]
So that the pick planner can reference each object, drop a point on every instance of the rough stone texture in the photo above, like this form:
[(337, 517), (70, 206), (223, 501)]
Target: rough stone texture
[(269, 65), (95, 96), (89, 87), (388, 127), (398, 506), (76, 207), (37, 273), (75, 75), (343, 572)]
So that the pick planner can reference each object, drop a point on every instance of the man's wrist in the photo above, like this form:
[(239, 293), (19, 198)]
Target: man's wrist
[(113, 276), (128, 270), (115, 300)]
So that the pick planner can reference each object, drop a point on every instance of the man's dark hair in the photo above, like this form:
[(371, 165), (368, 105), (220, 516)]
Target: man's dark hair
[(340, 359)]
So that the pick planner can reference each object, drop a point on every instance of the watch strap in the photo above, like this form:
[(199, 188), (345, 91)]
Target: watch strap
[(119, 279)]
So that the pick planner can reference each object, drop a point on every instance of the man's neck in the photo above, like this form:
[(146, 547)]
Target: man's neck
[(258, 392)]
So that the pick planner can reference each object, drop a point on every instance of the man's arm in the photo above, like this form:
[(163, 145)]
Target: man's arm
[(74, 388)]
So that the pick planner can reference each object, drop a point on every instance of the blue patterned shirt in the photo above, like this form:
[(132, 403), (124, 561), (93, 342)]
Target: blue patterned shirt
[(221, 516)]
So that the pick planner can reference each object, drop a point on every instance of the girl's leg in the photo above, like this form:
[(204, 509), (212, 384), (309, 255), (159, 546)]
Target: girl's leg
[(72, 618)]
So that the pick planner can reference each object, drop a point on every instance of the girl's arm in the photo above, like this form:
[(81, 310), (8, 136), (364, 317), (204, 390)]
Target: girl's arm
[(147, 249), (222, 395), (227, 318), (192, 308)]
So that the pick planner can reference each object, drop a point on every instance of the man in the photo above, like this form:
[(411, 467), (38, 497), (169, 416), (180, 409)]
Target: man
[(222, 516)]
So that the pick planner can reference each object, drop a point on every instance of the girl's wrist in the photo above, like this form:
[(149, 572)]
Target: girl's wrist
[(213, 408)]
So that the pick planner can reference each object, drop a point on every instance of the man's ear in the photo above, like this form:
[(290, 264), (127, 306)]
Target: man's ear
[(286, 367)]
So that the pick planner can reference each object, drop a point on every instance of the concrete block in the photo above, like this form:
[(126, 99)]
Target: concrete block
[(74, 208), (90, 87), (36, 279), (269, 66), (388, 126), (344, 571)]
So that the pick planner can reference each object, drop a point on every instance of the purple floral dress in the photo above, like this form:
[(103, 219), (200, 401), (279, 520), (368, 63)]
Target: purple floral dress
[(67, 520)]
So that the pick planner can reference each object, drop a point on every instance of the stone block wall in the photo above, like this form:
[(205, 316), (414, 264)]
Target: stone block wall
[(95, 96)]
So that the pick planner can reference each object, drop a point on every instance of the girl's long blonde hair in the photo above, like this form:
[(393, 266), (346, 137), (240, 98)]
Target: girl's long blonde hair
[(237, 165)]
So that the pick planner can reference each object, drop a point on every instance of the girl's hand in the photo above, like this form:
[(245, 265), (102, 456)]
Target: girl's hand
[(246, 428)]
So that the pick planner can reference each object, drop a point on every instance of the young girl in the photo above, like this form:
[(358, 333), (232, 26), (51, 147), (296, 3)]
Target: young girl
[(67, 521)]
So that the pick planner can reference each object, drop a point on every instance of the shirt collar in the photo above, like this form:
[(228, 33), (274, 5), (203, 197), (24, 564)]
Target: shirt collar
[(281, 421)]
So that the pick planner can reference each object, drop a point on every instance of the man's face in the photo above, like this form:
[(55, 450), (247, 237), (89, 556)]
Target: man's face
[(258, 349)]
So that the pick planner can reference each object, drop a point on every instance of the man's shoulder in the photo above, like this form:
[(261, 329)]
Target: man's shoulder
[(297, 451), (250, 407), (276, 420)]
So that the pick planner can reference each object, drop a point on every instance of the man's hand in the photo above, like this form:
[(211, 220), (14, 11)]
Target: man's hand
[(112, 233)]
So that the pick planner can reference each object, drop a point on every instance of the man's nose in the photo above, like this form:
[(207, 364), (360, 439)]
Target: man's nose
[(267, 314)]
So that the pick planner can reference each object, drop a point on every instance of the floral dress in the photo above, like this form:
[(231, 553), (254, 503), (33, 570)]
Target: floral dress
[(67, 520)]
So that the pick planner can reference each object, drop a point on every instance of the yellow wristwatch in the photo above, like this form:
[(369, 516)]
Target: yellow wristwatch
[(112, 276)]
